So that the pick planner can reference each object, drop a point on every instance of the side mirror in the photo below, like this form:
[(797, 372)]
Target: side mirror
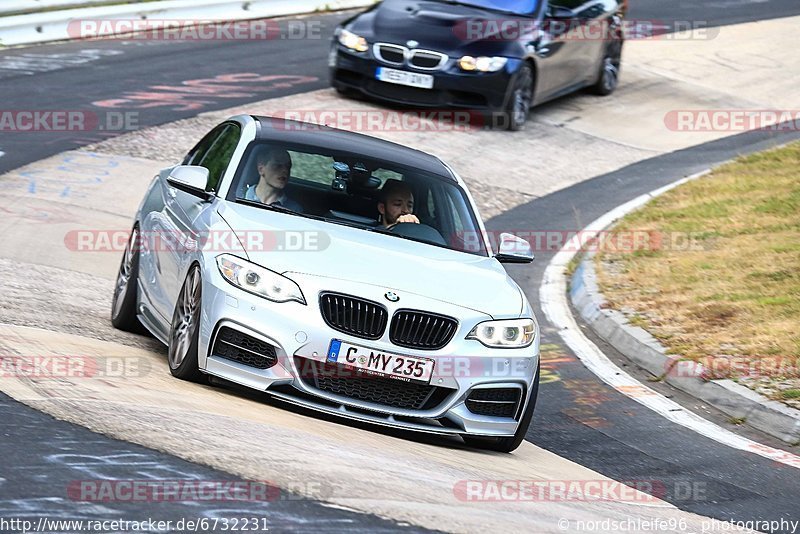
[(191, 179), (514, 249)]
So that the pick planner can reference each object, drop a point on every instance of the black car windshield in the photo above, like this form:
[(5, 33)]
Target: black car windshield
[(518, 7), (352, 190)]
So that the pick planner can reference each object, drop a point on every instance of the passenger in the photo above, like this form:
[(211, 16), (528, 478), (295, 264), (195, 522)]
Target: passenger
[(274, 169), (396, 204)]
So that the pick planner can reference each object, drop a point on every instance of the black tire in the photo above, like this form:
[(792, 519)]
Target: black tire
[(125, 300), (518, 107), (184, 331), (608, 77), (511, 443)]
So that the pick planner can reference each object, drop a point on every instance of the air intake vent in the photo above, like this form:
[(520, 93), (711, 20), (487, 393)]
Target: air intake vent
[(354, 316), (241, 348), (421, 330), (497, 402), (347, 382)]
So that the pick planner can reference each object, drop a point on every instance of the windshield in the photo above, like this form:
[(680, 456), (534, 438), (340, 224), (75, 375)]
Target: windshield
[(519, 7), (348, 189)]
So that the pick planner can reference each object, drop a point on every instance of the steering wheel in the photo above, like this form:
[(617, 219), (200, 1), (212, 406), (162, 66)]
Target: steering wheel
[(420, 232)]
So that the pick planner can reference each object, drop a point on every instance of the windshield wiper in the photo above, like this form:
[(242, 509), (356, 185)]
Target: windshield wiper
[(257, 204), (279, 209)]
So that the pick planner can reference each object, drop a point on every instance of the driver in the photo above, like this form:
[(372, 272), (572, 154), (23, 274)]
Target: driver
[(274, 169), (396, 204)]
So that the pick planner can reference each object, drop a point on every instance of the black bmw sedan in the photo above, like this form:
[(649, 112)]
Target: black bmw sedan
[(495, 57)]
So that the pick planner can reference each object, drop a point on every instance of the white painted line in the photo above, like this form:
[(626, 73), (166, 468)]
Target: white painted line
[(2, 153), (553, 297)]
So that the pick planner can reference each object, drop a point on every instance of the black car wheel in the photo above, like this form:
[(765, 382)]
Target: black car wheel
[(123, 306), (519, 105), (185, 330), (609, 68), (511, 443)]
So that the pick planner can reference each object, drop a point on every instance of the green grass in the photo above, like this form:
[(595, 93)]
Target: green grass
[(736, 290)]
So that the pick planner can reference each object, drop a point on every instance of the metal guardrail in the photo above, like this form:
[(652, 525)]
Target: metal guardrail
[(55, 25), (22, 7)]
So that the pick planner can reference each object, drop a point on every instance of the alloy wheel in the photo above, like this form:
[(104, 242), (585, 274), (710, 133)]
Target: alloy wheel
[(185, 320)]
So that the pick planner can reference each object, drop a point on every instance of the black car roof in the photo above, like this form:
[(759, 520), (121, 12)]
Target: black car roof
[(289, 131)]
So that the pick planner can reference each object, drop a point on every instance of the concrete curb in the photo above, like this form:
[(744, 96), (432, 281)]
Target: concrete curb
[(771, 417), (55, 25)]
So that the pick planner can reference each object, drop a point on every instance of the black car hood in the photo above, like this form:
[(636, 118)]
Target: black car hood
[(434, 25)]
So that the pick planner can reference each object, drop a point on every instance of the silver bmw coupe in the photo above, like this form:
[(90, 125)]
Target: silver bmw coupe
[(338, 272)]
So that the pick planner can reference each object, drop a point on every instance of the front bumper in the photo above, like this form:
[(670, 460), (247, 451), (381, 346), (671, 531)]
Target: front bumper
[(452, 87), (300, 336)]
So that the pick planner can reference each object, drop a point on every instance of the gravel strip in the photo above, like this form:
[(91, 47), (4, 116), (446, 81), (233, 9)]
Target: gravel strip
[(62, 301)]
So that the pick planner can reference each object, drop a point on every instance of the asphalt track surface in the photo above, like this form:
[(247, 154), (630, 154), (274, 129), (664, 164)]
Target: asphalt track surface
[(149, 77), (42, 456), (578, 416)]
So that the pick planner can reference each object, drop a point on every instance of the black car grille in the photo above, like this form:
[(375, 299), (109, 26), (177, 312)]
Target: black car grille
[(497, 402), (353, 384), (233, 345), (421, 330), (426, 60), (354, 316), (391, 54)]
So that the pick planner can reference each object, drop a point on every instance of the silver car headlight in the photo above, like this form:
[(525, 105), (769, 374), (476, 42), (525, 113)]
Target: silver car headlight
[(482, 63), (508, 334), (352, 41), (258, 280)]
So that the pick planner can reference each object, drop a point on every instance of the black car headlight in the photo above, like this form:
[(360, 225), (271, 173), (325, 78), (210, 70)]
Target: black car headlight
[(352, 41), (482, 63)]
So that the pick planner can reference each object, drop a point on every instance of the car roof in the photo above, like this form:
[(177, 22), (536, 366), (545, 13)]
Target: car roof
[(303, 133)]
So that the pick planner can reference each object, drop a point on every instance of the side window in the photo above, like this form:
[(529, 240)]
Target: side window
[(196, 154), (219, 154)]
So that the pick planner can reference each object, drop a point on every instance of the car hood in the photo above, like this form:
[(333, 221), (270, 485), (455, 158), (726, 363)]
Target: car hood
[(434, 25), (344, 253)]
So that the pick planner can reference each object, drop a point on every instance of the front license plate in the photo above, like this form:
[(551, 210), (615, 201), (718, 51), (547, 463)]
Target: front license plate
[(401, 77), (376, 362)]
